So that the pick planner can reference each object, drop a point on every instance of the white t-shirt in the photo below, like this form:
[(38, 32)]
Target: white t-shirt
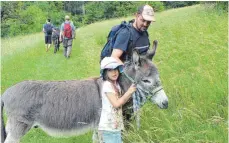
[(111, 119)]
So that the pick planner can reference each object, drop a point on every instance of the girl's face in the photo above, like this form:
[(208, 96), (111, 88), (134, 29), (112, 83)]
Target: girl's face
[(113, 74)]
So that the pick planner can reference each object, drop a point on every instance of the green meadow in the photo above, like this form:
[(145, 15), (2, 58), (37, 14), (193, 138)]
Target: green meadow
[(192, 59)]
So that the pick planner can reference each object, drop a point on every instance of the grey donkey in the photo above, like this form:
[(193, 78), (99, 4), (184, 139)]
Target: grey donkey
[(63, 108)]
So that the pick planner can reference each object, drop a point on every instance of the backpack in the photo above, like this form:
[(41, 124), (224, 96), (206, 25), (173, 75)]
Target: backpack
[(48, 29), (67, 30), (108, 48)]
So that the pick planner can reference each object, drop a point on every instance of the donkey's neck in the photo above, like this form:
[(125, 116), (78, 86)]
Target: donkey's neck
[(125, 81)]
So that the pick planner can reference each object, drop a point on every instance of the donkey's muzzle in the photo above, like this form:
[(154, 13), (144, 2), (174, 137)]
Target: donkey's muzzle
[(165, 104)]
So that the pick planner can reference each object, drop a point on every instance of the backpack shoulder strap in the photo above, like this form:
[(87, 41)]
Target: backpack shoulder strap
[(131, 41), (128, 26), (123, 25)]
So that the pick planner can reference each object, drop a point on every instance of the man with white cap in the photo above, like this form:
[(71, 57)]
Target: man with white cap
[(122, 49), (67, 32)]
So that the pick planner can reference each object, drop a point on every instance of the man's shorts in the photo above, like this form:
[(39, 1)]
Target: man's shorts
[(48, 39)]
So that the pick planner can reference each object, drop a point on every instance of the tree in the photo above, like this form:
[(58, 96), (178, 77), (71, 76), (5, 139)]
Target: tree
[(74, 7)]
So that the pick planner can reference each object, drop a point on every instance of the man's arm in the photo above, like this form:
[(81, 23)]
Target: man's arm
[(117, 53), (53, 28), (121, 44), (43, 28), (61, 32), (61, 35)]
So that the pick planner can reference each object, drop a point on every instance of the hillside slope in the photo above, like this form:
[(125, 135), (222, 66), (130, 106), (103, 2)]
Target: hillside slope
[(192, 60)]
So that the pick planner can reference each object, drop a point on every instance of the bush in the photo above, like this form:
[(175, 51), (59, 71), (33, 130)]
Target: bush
[(77, 20), (176, 4), (219, 6), (32, 19), (222, 6)]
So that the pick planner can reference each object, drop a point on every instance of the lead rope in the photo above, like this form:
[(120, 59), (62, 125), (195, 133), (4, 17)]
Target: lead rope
[(137, 100)]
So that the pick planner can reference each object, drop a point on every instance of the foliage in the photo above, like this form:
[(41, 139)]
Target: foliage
[(31, 19), (222, 5), (74, 7), (24, 17), (9, 15), (219, 6), (19, 18), (176, 4)]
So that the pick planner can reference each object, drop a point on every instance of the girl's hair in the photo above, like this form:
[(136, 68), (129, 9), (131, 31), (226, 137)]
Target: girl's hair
[(106, 78)]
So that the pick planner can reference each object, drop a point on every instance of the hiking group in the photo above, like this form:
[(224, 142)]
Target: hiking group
[(122, 40), (55, 35)]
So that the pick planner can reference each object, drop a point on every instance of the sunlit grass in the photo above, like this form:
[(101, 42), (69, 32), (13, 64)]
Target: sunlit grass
[(10, 46), (191, 58)]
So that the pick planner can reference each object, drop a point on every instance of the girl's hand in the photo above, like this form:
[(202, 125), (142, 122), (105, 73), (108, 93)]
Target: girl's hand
[(132, 89)]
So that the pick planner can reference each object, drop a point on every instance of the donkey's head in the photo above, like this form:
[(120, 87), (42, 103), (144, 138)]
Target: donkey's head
[(145, 74)]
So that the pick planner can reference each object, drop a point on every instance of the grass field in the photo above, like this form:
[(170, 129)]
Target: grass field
[(192, 58)]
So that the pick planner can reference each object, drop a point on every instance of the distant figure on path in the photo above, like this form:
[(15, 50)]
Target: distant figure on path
[(48, 29), (56, 39), (67, 34)]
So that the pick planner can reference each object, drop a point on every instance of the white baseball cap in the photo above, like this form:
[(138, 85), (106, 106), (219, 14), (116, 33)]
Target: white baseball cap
[(110, 63), (147, 12)]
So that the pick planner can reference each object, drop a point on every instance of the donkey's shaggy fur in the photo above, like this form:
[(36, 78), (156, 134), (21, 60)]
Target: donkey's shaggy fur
[(66, 107)]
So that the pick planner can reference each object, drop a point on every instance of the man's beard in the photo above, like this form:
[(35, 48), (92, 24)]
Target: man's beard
[(142, 29)]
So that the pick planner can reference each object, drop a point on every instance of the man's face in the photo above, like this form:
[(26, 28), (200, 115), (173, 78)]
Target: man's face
[(142, 24)]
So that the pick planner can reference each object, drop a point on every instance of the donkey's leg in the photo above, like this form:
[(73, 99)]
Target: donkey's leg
[(15, 130)]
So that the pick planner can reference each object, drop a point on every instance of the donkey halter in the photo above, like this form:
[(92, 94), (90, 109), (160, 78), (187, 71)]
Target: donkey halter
[(156, 88)]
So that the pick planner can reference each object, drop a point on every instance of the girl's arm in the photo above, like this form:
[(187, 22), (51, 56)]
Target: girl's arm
[(118, 102)]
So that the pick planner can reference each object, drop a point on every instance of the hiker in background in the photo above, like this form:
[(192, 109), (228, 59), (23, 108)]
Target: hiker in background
[(48, 28), (126, 37), (67, 34), (56, 39)]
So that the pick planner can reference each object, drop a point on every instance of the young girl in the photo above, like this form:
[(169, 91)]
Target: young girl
[(111, 120)]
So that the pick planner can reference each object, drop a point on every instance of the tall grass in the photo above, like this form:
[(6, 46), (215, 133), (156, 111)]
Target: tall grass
[(192, 61)]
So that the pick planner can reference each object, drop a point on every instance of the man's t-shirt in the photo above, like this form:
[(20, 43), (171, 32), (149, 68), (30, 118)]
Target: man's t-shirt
[(46, 34), (140, 42)]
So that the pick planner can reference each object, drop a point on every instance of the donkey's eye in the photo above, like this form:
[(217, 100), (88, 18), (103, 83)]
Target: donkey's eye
[(146, 81)]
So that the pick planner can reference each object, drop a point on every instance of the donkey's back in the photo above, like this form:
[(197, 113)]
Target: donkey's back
[(57, 106)]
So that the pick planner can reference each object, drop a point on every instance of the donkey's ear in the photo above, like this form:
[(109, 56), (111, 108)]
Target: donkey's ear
[(136, 58), (151, 53)]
